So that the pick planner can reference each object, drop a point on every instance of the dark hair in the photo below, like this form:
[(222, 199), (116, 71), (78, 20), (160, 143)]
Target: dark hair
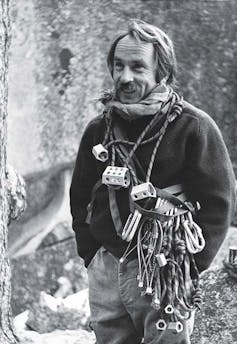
[(164, 49)]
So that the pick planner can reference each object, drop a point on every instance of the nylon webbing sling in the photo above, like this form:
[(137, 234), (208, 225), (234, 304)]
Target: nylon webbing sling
[(182, 207), (114, 209)]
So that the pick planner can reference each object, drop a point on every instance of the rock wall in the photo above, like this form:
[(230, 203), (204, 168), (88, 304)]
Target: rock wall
[(23, 126), (58, 68)]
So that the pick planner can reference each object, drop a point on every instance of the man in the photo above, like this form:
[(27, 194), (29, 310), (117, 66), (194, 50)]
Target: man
[(143, 280)]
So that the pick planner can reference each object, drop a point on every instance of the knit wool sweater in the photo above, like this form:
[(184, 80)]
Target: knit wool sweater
[(192, 153)]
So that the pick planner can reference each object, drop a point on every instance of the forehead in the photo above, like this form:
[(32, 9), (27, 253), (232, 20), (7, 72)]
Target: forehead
[(128, 48)]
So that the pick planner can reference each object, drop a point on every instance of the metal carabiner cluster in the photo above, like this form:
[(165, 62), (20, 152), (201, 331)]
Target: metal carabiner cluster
[(193, 234), (164, 249)]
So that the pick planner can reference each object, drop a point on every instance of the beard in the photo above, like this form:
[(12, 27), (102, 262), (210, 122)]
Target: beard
[(126, 92)]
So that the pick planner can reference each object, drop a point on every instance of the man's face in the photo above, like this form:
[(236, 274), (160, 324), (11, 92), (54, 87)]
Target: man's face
[(134, 70)]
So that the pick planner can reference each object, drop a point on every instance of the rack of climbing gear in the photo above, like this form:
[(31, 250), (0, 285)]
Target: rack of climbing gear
[(160, 227)]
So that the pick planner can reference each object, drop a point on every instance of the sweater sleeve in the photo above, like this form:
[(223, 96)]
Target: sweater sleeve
[(83, 179), (211, 181)]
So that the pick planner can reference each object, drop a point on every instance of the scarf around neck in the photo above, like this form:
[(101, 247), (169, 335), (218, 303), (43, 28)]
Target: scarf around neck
[(150, 105)]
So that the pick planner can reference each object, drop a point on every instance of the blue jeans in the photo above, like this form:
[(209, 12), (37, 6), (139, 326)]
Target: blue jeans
[(119, 314)]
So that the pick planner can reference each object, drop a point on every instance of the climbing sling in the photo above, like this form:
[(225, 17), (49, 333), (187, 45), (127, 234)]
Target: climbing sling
[(160, 226)]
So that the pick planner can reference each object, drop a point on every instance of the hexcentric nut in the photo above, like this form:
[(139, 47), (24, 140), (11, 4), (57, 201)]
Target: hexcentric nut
[(161, 260), (142, 191), (175, 326), (114, 175), (169, 309), (100, 153), (161, 325)]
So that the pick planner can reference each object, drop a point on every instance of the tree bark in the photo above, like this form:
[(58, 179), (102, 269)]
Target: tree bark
[(7, 334)]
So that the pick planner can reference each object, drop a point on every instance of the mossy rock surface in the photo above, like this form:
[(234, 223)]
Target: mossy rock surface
[(39, 271), (217, 321)]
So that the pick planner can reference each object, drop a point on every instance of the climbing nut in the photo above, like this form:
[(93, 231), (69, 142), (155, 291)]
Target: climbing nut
[(100, 152), (161, 325), (169, 309), (175, 326)]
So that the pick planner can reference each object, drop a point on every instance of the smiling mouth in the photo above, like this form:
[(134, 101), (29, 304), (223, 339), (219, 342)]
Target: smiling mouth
[(128, 90)]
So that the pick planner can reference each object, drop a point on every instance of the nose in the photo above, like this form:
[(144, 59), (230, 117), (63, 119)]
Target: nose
[(126, 75)]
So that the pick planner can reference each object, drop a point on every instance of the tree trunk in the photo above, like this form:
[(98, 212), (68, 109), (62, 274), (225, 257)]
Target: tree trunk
[(6, 329)]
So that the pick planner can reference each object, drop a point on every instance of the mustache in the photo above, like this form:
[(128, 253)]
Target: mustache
[(125, 86)]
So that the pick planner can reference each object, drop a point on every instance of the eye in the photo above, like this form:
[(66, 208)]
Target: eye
[(118, 65), (138, 67)]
